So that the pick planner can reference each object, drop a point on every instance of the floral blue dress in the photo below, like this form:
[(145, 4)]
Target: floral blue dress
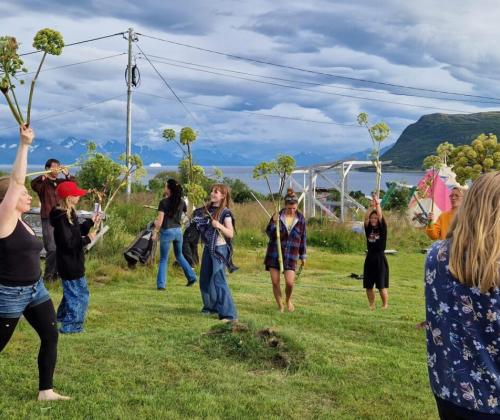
[(463, 337)]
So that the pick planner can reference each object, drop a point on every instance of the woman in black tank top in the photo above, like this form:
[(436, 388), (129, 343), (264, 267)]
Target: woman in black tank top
[(22, 292)]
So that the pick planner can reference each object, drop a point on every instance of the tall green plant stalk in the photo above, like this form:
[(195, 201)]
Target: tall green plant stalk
[(187, 135), (283, 167), (17, 117), (32, 88), (18, 108), (378, 133), (435, 163)]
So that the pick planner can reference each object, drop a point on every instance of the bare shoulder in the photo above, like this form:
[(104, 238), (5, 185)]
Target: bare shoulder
[(8, 223)]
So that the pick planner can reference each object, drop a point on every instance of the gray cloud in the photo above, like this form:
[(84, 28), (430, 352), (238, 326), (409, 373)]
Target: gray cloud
[(402, 43), (187, 17)]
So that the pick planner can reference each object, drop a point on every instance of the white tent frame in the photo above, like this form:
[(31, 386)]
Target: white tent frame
[(308, 186)]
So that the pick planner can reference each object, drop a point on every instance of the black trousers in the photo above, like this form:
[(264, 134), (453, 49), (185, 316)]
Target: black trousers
[(43, 320)]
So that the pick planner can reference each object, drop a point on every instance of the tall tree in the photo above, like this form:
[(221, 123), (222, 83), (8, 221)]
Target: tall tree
[(481, 156), (469, 161)]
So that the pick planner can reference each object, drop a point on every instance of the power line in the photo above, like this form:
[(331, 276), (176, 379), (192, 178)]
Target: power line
[(171, 90), (57, 114), (78, 63), (315, 91), (79, 42), (258, 114), (321, 84), (239, 57)]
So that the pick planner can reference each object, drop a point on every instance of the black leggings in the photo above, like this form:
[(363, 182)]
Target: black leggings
[(43, 319)]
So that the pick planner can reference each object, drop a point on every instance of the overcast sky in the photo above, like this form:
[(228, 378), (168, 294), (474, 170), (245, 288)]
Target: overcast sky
[(445, 46)]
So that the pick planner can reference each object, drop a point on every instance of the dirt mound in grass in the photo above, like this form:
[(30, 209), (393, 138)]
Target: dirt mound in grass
[(261, 348)]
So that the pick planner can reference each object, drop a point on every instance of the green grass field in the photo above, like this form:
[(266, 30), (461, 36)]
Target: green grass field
[(145, 353)]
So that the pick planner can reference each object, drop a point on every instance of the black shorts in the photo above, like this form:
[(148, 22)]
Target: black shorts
[(376, 271)]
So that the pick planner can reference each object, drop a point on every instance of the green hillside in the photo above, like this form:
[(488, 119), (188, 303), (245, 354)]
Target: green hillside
[(421, 139)]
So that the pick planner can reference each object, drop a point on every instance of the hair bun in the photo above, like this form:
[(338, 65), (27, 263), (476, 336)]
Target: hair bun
[(290, 197)]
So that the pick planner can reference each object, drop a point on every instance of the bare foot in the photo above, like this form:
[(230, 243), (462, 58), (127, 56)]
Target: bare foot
[(50, 395), (372, 307), (385, 306), (290, 306), (281, 307)]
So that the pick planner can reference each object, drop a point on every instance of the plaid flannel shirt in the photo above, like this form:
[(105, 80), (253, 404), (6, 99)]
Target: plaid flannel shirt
[(293, 243)]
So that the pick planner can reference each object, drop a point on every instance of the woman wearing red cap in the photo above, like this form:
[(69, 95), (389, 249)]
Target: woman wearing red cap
[(22, 291), (71, 237)]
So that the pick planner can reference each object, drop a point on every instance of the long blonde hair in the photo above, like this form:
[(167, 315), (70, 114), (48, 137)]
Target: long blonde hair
[(475, 233), (65, 204)]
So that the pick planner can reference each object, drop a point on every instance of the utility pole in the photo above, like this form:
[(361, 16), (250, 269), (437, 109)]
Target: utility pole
[(128, 153)]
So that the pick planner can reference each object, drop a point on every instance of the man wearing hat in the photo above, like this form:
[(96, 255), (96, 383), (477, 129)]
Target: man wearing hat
[(45, 187)]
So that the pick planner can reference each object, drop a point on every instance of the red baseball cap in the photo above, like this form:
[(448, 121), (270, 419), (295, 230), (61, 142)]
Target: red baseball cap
[(69, 188)]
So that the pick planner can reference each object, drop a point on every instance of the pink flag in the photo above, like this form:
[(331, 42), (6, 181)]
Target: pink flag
[(433, 186)]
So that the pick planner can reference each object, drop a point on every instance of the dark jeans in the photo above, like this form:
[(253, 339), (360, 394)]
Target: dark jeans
[(73, 307), (450, 411), (50, 247)]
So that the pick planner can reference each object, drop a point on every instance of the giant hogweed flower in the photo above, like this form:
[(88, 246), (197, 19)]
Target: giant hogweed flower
[(47, 40)]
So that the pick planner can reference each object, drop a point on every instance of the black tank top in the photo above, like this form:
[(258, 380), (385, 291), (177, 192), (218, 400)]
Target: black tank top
[(20, 258)]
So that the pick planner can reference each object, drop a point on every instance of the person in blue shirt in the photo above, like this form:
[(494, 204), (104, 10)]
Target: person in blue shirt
[(462, 295)]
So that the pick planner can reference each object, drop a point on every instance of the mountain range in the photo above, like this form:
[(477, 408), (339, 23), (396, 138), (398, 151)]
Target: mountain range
[(420, 139), (71, 148), (417, 141)]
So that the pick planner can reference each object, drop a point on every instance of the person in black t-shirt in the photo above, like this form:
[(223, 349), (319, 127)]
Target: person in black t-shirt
[(168, 223), (71, 238), (376, 269), (22, 291)]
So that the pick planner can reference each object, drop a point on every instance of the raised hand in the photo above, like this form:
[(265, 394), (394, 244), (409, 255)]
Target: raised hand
[(26, 135)]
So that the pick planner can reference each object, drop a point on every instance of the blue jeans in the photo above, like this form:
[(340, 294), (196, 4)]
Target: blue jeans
[(215, 292), (15, 299), (166, 237), (73, 307)]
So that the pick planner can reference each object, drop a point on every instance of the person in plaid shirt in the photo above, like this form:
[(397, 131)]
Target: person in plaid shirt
[(293, 245)]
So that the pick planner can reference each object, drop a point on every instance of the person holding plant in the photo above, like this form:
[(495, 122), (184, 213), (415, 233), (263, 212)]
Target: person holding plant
[(71, 238), (439, 229), (462, 304), (292, 225), (168, 223), (376, 268), (45, 186), (216, 223), (22, 292)]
